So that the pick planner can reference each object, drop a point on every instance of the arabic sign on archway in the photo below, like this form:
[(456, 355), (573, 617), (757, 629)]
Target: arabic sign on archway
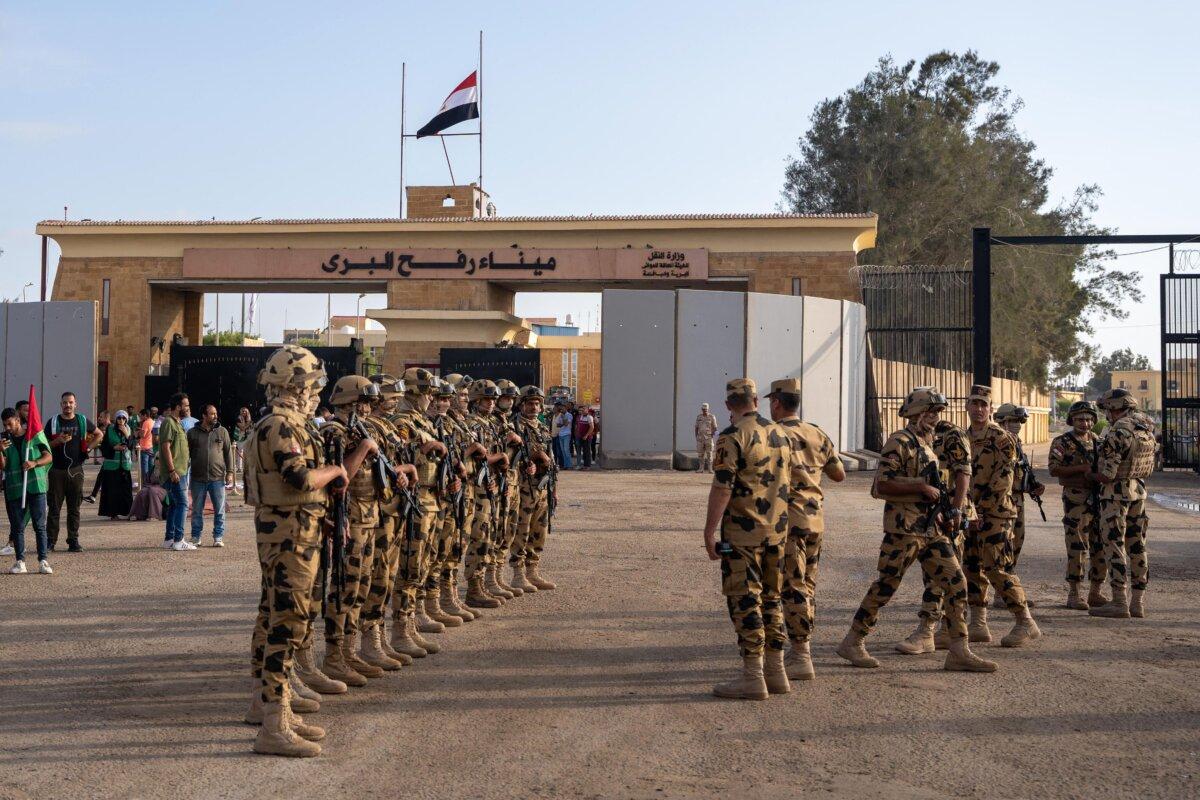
[(468, 263)]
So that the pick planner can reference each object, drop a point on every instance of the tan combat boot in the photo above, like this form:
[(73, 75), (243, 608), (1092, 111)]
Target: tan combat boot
[(402, 640), (977, 628), (750, 686), (434, 610), (519, 580), (1117, 608), (428, 645), (496, 573), (277, 738), (491, 584), (395, 655), (451, 604), (1096, 595), (372, 651), (774, 673), (335, 666), (1024, 632), (477, 597), (941, 639), (312, 677), (302, 699), (798, 662), (961, 659), (1073, 599), (355, 661), (312, 733), (854, 649), (254, 714), (1137, 603), (919, 641), (531, 573), (425, 623)]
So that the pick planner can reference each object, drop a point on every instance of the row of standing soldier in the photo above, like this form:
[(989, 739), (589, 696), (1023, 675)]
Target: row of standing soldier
[(377, 509), (954, 503)]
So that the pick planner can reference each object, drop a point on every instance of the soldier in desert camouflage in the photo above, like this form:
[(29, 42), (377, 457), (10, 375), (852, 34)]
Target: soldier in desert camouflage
[(1072, 461)]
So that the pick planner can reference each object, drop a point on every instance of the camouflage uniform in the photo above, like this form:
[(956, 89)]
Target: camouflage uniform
[(907, 539), (479, 549), (706, 429), (812, 452), (534, 520), (414, 427), (455, 537), (989, 549), (952, 447), (753, 460), (1019, 479), (1081, 523), (360, 543), (1126, 457), (509, 505), (387, 534)]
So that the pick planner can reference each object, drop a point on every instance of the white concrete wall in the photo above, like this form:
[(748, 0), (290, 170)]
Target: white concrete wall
[(710, 334), (774, 340), (821, 397), (52, 346), (638, 372), (854, 375)]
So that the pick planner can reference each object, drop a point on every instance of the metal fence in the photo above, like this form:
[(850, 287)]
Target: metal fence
[(919, 333), (1180, 306)]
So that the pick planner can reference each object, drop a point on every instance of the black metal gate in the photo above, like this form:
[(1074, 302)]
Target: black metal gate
[(518, 364), (919, 333), (227, 377), (1179, 296)]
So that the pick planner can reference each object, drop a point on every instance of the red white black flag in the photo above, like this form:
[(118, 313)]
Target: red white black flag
[(461, 105)]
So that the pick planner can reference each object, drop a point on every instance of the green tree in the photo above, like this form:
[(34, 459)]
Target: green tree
[(228, 338), (935, 151), (1103, 368)]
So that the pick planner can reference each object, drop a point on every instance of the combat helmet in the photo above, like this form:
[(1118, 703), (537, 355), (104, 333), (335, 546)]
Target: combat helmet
[(1082, 407), (418, 380), (1011, 412), (507, 388), (920, 400), (483, 388), (389, 385), (530, 392), (443, 388), (293, 366), (1117, 399), (352, 388)]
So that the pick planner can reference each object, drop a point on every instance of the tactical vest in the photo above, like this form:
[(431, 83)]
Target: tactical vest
[(426, 466), (362, 484), (264, 483), (1139, 463)]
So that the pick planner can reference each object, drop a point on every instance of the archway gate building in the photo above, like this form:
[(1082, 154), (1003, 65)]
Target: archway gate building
[(450, 280)]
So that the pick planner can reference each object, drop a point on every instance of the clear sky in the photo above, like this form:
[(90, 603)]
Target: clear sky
[(292, 109)]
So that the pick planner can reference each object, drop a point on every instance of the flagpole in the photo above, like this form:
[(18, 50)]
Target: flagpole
[(403, 74), (479, 100)]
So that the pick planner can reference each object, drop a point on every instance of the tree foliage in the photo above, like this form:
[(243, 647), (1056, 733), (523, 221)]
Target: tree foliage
[(1103, 368), (227, 338), (934, 151)]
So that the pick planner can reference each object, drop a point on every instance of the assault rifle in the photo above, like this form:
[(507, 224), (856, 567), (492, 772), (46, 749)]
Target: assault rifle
[(1028, 481), (448, 470), (383, 471), (953, 522), (333, 549)]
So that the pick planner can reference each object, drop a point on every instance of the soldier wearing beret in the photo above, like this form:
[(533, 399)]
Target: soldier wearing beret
[(748, 502)]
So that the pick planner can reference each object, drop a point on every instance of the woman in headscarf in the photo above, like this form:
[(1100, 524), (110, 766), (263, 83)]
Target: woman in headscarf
[(116, 478)]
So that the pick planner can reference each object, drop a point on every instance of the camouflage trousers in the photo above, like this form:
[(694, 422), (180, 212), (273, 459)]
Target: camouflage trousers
[(289, 570), (459, 543), (704, 449), (801, 555), (360, 553), (414, 548), (383, 569), (751, 580), (987, 557), (1123, 526), (479, 548), (532, 527), (945, 584), (507, 519), (438, 554), (1084, 545), (1018, 531)]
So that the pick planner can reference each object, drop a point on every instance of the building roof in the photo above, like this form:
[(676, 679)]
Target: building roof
[(92, 223)]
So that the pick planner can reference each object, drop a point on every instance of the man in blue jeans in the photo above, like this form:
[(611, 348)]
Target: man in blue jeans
[(25, 497), (173, 464), (212, 470)]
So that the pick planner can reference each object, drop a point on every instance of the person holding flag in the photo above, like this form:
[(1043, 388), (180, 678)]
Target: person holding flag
[(25, 459)]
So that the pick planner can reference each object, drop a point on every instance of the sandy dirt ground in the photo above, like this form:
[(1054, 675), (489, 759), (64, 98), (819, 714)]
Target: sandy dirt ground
[(126, 674)]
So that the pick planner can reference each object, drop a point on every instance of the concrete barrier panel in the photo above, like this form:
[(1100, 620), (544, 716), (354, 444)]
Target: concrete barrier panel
[(638, 376), (774, 340), (710, 329), (854, 375), (4, 355), (821, 400), (23, 362), (69, 355)]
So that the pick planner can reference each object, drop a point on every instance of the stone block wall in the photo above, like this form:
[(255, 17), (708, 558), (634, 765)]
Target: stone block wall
[(820, 274)]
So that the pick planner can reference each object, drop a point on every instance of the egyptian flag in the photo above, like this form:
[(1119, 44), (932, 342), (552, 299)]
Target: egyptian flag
[(461, 105), (33, 430)]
